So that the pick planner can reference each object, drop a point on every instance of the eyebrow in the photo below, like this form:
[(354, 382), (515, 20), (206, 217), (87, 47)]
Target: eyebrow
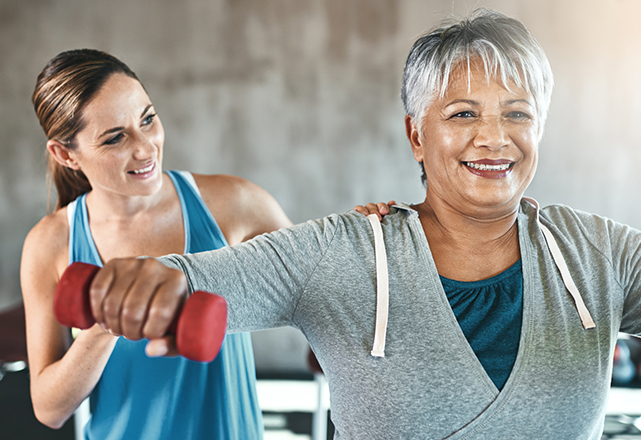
[(117, 129), (466, 101), (516, 101), (145, 110), (476, 103), (111, 130)]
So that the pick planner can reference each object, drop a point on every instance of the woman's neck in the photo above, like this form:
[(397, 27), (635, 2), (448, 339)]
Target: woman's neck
[(468, 246), (107, 205), (138, 225)]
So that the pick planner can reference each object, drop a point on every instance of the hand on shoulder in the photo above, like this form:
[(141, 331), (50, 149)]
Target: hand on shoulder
[(381, 209)]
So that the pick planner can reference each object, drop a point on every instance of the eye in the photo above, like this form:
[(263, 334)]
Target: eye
[(149, 119), (114, 140), (519, 116), (466, 114)]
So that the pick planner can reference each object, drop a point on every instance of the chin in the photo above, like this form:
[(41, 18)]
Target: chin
[(151, 188), (496, 202)]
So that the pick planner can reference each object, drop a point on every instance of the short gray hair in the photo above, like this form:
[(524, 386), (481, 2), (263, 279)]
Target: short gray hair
[(505, 46)]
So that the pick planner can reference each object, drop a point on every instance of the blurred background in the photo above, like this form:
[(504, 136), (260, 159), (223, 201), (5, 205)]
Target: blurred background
[(302, 98)]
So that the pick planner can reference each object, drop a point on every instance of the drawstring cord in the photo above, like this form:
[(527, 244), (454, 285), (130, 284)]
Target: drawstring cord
[(382, 280), (584, 313), (382, 288)]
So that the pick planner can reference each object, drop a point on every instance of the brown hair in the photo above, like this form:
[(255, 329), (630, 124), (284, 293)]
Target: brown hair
[(63, 89)]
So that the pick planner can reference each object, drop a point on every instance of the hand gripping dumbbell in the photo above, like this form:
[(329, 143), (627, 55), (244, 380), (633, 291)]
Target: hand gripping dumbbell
[(199, 327)]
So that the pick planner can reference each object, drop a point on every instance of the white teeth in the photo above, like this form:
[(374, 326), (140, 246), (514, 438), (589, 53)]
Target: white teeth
[(144, 170), (484, 167)]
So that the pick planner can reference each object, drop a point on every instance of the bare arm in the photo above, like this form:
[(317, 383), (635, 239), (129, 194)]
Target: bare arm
[(241, 208), (62, 373), (262, 280)]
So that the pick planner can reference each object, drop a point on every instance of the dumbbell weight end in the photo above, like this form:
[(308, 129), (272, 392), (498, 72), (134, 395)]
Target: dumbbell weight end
[(71, 300), (200, 327)]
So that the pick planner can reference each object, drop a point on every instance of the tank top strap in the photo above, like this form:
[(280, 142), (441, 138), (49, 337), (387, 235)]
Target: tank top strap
[(81, 244), (202, 233)]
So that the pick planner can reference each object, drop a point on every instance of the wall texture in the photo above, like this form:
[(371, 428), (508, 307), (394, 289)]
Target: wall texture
[(302, 98)]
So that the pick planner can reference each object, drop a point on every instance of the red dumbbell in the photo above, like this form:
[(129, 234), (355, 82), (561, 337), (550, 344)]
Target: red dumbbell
[(199, 328)]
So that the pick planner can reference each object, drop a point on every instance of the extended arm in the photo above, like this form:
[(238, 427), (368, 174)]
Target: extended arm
[(262, 280)]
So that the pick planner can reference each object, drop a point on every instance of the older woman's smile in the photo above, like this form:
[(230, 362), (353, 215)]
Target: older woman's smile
[(490, 169), (477, 143)]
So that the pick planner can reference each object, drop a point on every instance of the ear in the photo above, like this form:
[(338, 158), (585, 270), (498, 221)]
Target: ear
[(62, 154), (414, 137)]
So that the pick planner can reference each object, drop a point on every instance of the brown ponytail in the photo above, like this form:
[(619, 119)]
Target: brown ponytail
[(63, 89)]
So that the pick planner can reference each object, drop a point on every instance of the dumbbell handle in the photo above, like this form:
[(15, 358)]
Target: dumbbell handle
[(199, 328)]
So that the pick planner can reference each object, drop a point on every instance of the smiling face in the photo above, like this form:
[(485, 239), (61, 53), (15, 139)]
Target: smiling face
[(478, 145), (120, 147)]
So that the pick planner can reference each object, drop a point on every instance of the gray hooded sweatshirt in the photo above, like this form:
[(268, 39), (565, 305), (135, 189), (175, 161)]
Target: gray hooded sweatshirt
[(320, 277)]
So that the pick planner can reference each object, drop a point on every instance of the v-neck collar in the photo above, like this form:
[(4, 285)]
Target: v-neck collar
[(494, 397)]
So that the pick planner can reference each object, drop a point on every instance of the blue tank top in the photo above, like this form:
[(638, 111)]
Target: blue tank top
[(142, 398), (489, 313)]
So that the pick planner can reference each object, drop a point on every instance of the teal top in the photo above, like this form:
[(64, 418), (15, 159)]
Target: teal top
[(489, 312), (144, 398)]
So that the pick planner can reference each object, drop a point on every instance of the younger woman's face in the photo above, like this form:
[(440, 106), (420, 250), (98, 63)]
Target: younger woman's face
[(120, 148)]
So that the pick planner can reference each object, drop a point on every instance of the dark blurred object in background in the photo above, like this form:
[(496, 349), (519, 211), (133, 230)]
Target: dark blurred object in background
[(626, 370)]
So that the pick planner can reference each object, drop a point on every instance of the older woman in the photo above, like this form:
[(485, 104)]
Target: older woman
[(500, 319)]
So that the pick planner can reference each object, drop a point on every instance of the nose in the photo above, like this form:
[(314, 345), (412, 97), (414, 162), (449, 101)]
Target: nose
[(145, 147), (491, 134)]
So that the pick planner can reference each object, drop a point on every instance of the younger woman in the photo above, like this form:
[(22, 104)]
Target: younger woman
[(105, 144)]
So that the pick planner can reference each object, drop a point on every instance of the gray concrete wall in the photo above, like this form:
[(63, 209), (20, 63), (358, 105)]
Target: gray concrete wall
[(302, 98)]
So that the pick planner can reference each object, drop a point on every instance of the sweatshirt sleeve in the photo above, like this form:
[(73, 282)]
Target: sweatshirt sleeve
[(626, 259), (593, 236), (261, 279)]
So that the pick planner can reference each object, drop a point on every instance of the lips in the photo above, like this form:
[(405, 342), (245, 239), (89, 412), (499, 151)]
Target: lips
[(143, 171), (490, 169)]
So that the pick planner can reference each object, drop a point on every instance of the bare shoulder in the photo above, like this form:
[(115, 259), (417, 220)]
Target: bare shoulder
[(44, 259), (241, 208), (45, 247), (222, 186)]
